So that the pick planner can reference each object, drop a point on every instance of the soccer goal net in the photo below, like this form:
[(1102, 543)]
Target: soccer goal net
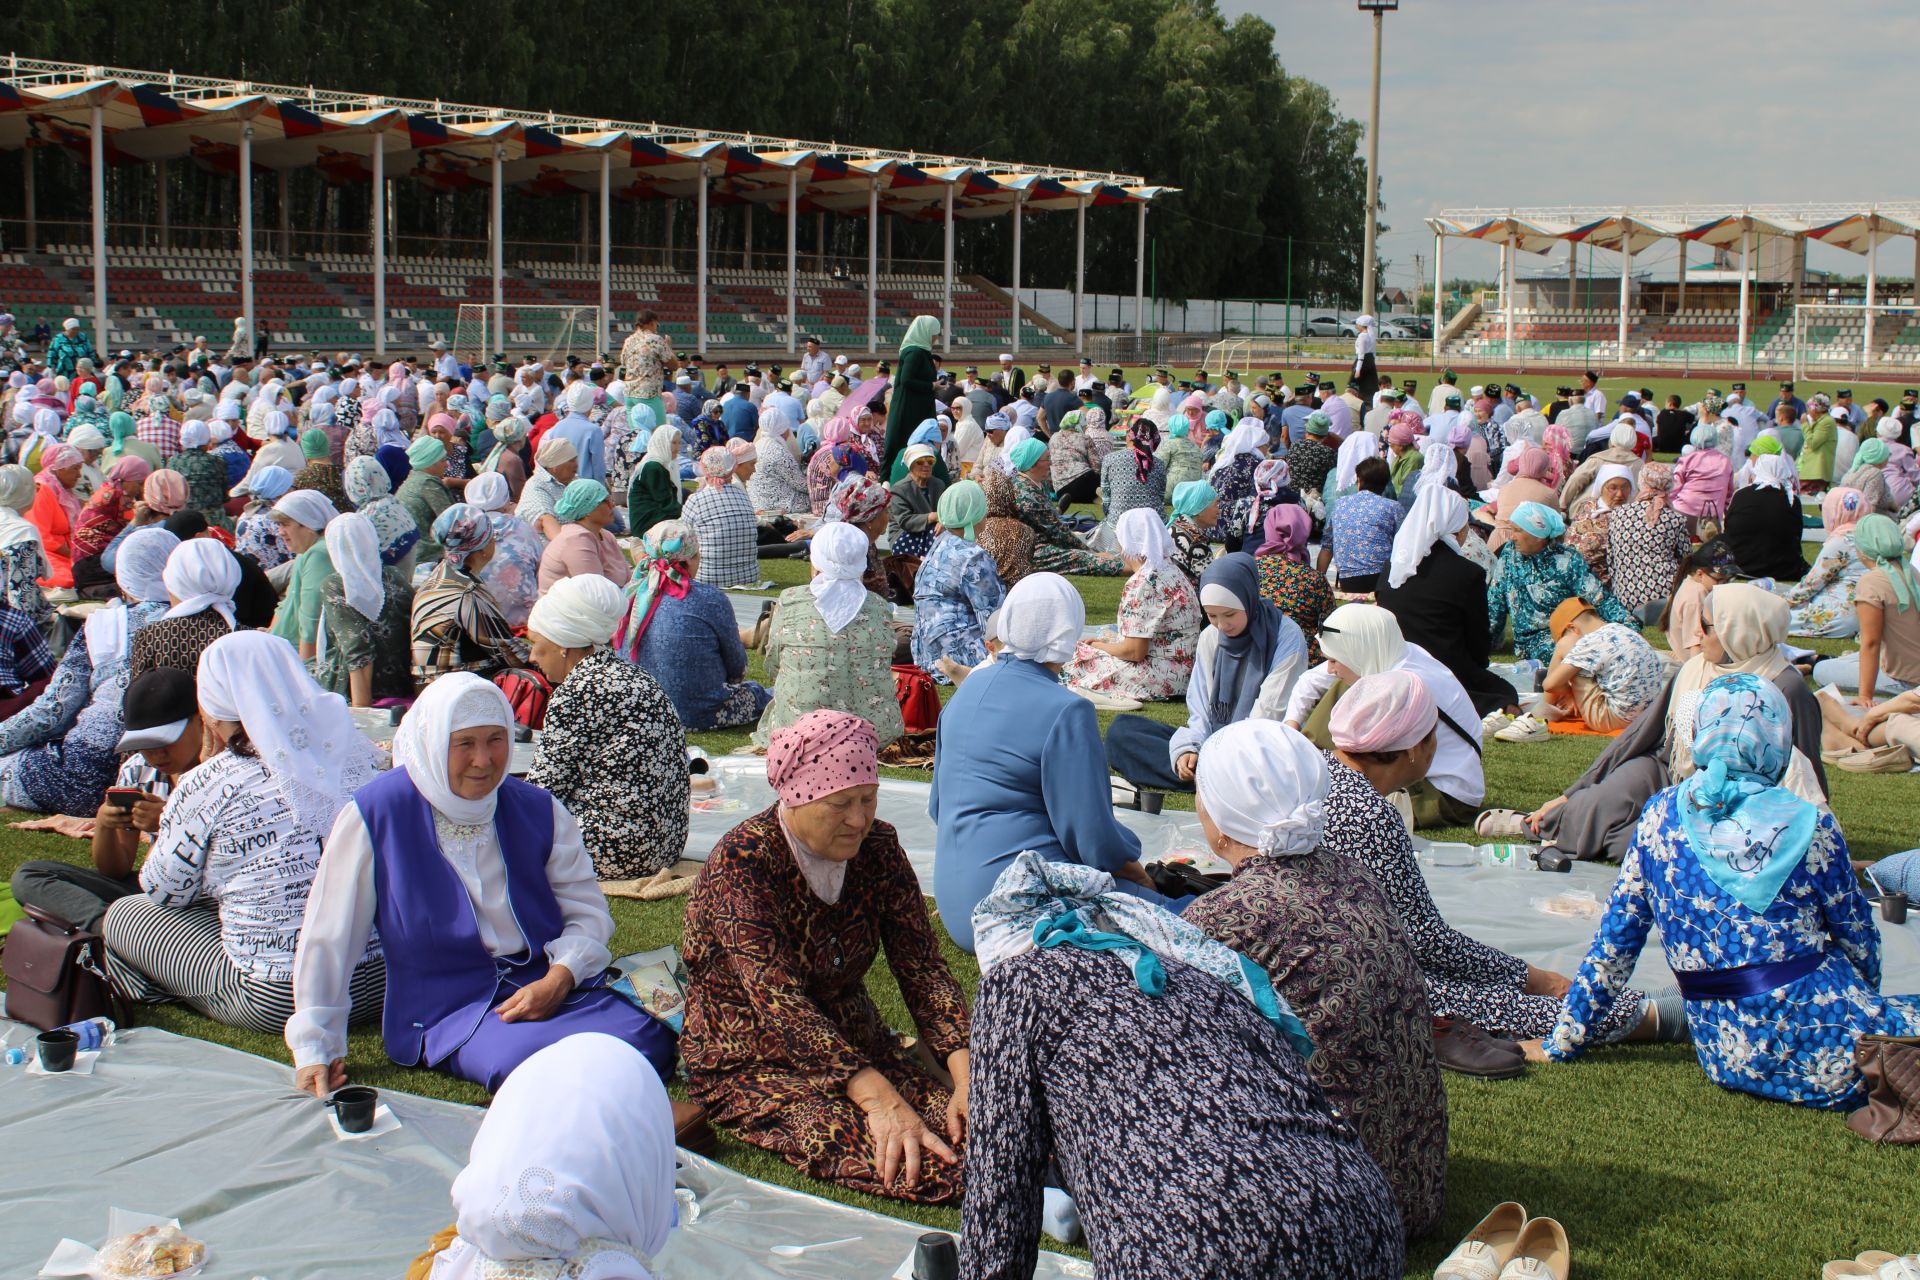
[(547, 333), (1845, 336)]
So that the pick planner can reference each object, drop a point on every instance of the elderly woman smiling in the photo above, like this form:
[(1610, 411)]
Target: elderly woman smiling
[(613, 751), (494, 928), (784, 1045)]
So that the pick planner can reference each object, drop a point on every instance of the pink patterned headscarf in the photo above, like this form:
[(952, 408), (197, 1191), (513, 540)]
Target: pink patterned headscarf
[(820, 753), (1388, 711)]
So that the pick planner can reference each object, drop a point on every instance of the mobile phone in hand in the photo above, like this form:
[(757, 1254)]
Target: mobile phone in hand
[(122, 798)]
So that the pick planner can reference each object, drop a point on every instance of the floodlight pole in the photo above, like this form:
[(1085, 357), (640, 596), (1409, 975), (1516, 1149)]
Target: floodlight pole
[(1368, 293)]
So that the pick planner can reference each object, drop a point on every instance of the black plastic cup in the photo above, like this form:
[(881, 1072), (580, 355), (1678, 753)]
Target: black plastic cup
[(354, 1106), (57, 1049), (936, 1257), (1150, 801), (1893, 908)]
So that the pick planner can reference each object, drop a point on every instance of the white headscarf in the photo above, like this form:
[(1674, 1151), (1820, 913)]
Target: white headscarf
[(581, 612), (308, 506), (1775, 471), (839, 556), (304, 735), (1510, 455), (195, 435), (575, 1156), (663, 447), (1363, 637), (1264, 785), (1143, 535), (202, 574), (458, 700), (1042, 618), (1247, 436), (1437, 461), (1611, 471), (1353, 450), (488, 491), (1017, 435), (1437, 513), (136, 570), (354, 548)]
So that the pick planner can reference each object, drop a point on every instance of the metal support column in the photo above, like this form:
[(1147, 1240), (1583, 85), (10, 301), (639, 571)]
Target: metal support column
[(1439, 274), (1140, 274), (159, 199), (1873, 288), (946, 275), (605, 327), (793, 262), (285, 197), (1013, 324), (1506, 288), (1080, 277), (100, 235), (1746, 283), (246, 232), (26, 195), (499, 258), (380, 243), (1626, 283), (873, 265), (700, 264), (1681, 305)]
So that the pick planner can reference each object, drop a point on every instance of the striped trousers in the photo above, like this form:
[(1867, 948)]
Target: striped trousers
[(160, 954)]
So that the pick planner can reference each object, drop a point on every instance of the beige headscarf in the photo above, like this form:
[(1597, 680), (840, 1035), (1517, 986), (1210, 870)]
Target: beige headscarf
[(1751, 623)]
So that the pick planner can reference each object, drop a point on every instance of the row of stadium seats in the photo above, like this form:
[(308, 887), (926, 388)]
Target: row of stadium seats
[(1696, 336)]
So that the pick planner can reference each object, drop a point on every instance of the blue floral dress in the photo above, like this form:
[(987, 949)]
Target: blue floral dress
[(513, 574), (1793, 1044), (1530, 588), (255, 534), (1234, 484), (955, 590)]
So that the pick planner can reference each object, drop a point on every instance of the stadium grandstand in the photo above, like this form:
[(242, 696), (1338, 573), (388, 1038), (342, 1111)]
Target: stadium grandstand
[(145, 291), (1745, 304)]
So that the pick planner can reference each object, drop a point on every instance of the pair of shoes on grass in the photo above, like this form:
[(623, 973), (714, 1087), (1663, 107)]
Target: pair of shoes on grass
[(1524, 727)]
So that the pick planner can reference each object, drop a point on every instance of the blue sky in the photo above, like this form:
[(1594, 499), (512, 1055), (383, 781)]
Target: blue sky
[(1635, 102)]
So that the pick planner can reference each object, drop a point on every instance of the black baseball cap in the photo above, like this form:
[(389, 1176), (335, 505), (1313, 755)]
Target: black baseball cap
[(157, 707)]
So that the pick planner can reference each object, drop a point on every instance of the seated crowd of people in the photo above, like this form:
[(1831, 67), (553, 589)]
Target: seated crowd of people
[(204, 601)]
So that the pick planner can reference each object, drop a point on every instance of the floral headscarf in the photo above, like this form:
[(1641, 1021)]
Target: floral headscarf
[(858, 500), (462, 529), (664, 570)]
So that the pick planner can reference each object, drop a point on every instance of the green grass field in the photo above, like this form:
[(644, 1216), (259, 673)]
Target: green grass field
[(1654, 1171)]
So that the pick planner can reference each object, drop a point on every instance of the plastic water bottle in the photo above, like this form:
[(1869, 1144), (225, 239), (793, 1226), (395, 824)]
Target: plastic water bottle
[(16, 1057), (94, 1033)]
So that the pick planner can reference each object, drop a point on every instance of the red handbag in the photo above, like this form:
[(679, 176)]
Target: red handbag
[(527, 693), (919, 699)]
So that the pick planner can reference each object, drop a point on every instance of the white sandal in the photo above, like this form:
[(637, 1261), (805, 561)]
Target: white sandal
[(1501, 824)]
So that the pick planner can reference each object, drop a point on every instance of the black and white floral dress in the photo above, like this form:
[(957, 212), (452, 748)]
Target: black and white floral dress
[(1466, 979), (614, 754)]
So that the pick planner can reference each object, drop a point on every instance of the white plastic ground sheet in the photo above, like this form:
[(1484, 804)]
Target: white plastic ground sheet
[(179, 1127)]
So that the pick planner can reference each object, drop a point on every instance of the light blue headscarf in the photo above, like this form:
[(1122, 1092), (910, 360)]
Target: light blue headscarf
[(927, 433), (1037, 903), (1539, 520), (1747, 830)]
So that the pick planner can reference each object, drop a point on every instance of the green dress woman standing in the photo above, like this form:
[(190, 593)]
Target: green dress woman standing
[(910, 398)]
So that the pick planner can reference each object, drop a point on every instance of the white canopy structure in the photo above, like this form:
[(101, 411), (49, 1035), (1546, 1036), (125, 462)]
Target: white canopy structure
[(116, 115), (1856, 228)]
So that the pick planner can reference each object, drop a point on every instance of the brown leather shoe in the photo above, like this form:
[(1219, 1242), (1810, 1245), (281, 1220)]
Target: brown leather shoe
[(1465, 1048)]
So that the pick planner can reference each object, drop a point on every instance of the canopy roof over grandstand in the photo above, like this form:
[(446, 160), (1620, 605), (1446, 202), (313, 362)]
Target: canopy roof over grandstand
[(113, 115), (1856, 228)]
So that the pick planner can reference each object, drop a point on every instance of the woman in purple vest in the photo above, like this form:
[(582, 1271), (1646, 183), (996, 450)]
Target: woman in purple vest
[(494, 927)]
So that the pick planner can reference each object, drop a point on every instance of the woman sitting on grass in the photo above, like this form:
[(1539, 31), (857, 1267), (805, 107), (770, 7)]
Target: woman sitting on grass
[(613, 751), (784, 1044), (1159, 622), (494, 928), (955, 589), (1760, 916), (217, 921), (1537, 571), (683, 633)]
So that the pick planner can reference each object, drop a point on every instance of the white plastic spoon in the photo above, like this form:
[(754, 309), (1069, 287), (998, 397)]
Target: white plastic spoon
[(795, 1250)]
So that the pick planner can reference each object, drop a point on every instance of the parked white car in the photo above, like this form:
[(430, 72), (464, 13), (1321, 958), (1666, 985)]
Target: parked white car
[(1328, 327)]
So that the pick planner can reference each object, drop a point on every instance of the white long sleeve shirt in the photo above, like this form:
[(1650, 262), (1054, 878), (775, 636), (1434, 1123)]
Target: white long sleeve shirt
[(340, 911), (1456, 763)]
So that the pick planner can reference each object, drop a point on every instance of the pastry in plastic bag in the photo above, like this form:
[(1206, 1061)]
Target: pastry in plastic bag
[(152, 1251)]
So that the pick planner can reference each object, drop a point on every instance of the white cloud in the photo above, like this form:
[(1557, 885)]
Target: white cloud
[(1494, 103)]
